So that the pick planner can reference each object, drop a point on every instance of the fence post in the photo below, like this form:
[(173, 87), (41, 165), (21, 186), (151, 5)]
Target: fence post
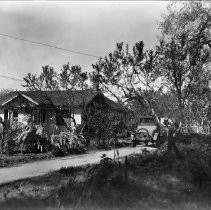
[(114, 150), (126, 167)]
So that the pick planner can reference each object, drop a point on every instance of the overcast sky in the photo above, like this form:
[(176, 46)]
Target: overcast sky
[(89, 27)]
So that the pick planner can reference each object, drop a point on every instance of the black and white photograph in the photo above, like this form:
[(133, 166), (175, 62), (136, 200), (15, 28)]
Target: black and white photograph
[(105, 105)]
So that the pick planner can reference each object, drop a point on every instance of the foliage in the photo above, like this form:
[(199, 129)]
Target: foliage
[(133, 77), (5, 91), (126, 74), (102, 128), (198, 160), (184, 54), (69, 78), (16, 159), (147, 181), (104, 186), (67, 143), (109, 182), (20, 138), (180, 63), (10, 137), (164, 104)]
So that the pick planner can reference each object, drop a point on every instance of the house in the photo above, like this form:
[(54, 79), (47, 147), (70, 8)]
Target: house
[(45, 106)]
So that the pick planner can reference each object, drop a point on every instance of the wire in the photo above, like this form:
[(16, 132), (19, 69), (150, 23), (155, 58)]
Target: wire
[(48, 45), (12, 78)]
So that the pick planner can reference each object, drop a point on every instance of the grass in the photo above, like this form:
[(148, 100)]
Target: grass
[(149, 181), (13, 160), (109, 186)]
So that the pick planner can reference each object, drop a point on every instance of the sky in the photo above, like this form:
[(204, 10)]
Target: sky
[(89, 27)]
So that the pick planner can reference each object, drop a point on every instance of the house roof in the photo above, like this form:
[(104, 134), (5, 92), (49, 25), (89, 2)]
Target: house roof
[(59, 98), (114, 104)]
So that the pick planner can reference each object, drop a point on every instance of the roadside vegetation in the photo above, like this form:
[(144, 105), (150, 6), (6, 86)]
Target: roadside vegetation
[(16, 159), (146, 181)]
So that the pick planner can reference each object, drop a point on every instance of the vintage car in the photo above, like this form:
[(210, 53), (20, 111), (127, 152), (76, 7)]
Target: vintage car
[(146, 131)]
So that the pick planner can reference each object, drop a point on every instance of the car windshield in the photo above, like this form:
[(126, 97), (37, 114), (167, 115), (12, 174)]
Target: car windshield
[(146, 120)]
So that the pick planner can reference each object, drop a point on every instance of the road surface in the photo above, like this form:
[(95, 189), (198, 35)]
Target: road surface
[(43, 167)]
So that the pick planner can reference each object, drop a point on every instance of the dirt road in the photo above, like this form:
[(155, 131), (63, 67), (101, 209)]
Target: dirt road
[(42, 167)]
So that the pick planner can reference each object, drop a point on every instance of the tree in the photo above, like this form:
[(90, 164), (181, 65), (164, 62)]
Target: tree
[(69, 78), (103, 126), (126, 75), (5, 91), (184, 50), (132, 77), (47, 80), (165, 105)]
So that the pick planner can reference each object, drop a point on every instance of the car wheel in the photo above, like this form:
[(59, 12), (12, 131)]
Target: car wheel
[(142, 134)]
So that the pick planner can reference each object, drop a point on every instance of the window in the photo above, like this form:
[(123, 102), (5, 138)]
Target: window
[(36, 116), (6, 113), (146, 120), (66, 113), (42, 115), (15, 113), (61, 114)]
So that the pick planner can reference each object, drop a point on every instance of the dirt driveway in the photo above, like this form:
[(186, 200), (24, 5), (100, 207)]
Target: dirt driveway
[(42, 167)]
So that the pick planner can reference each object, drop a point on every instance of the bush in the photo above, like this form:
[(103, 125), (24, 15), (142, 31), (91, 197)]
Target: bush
[(59, 151), (64, 151), (194, 137), (21, 138), (103, 186), (68, 143), (102, 126), (196, 149), (11, 134)]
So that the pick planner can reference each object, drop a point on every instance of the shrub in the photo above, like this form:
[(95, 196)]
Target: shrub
[(68, 143), (103, 186), (102, 126), (196, 149), (59, 151), (21, 138), (11, 134)]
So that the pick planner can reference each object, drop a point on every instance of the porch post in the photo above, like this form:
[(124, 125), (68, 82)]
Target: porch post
[(38, 115), (11, 116)]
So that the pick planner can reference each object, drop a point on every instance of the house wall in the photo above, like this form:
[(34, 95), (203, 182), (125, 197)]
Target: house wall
[(23, 117), (2, 113), (18, 104), (50, 123), (78, 115)]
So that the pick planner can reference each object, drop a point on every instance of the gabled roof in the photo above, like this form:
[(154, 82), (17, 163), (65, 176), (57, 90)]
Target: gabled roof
[(114, 105), (59, 98)]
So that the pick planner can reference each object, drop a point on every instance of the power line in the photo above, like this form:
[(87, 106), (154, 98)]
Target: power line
[(12, 78), (48, 45)]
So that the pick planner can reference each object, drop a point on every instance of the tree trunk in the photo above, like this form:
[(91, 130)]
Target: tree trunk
[(172, 144), (169, 137), (181, 108)]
